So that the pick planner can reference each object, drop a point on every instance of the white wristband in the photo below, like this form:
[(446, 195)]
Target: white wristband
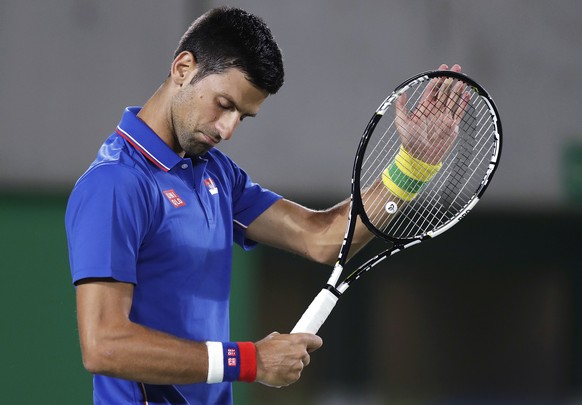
[(215, 362)]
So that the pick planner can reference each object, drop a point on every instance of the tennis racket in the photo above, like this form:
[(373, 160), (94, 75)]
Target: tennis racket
[(425, 159)]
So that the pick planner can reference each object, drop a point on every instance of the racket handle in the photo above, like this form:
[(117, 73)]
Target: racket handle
[(316, 313)]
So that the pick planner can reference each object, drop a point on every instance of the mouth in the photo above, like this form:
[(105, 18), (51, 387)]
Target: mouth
[(210, 140)]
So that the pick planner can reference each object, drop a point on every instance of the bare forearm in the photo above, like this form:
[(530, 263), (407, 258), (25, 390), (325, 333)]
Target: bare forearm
[(333, 234), (136, 353), (316, 235)]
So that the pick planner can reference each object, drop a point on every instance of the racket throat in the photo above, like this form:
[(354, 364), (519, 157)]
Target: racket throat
[(335, 275), (333, 290)]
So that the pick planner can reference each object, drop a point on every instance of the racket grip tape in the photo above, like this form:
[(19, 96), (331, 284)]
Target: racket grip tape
[(316, 313)]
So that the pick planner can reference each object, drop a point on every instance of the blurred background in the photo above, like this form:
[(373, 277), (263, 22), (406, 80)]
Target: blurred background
[(490, 313)]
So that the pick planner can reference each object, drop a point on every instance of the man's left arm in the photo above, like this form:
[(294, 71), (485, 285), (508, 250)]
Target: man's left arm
[(316, 235)]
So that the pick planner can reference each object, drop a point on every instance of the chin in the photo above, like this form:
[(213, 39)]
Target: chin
[(195, 148), (197, 151)]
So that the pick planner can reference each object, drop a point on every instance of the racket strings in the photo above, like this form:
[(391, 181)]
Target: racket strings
[(464, 163)]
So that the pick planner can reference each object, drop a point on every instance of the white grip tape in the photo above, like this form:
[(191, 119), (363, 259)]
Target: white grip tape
[(316, 313)]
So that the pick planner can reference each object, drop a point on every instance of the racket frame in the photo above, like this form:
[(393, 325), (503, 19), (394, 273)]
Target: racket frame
[(322, 305), (400, 244)]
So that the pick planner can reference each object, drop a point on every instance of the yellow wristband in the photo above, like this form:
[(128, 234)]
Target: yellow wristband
[(415, 168), (406, 175), (394, 189)]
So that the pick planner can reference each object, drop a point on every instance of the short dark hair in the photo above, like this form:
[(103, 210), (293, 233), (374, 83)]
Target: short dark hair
[(227, 37)]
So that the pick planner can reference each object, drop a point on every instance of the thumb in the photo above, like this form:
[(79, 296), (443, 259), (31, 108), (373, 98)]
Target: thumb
[(400, 104)]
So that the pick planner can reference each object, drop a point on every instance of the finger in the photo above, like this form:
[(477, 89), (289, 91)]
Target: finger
[(310, 341), (314, 343), (437, 83), (431, 88), (401, 110), (403, 118), (400, 104), (456, 68), (297, 373), (441, 84), (306, 360), (429, 91), (455, 97), (465, 99), (445, 90)]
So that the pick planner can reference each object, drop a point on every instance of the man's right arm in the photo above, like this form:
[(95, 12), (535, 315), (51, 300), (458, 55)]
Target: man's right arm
[(113, 345)]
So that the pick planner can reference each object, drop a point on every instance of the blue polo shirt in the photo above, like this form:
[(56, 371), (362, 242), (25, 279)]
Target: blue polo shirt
[(141, 214)]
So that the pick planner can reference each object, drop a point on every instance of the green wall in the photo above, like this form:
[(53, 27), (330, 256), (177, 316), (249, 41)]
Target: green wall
[(41, 361)]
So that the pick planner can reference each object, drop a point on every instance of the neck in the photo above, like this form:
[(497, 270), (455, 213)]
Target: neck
[(156, 113)]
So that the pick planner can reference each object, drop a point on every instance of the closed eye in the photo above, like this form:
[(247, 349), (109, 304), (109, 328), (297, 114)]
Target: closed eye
[(227, 105)]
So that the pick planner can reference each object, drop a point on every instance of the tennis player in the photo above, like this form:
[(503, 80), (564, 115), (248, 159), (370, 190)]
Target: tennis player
[(151, 225)]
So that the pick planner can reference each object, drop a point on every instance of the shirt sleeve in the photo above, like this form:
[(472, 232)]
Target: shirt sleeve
[(106, 219), (249, 201)]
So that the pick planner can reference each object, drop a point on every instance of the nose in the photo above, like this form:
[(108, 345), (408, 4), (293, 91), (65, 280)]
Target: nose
[(227, 124)]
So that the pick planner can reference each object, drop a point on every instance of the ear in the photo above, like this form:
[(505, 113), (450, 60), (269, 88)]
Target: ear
[(183, 68)]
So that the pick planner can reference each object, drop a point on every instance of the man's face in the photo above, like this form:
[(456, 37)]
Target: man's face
[(208, 111)]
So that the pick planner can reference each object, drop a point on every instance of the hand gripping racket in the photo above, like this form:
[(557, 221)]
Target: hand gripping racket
[(425, 159)]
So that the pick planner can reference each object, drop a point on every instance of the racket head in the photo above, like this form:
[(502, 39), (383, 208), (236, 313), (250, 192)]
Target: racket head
[(466, 168)]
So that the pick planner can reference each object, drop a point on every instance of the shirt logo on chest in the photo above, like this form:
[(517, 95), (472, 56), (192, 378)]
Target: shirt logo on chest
[(212, 189), (174, 198)]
